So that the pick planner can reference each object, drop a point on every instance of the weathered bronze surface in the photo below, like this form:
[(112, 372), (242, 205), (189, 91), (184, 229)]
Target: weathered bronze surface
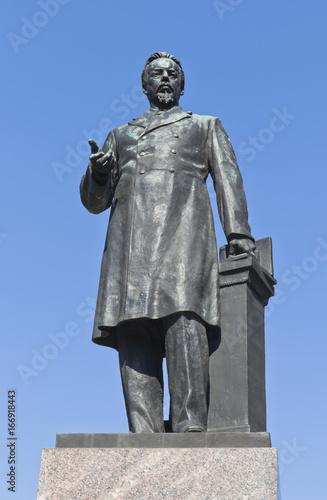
[(159, 283)]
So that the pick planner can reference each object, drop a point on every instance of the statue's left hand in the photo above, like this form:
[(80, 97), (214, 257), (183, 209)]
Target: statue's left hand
[(241, 245)]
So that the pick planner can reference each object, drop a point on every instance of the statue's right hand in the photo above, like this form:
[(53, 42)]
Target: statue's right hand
[(96, 152), (97, 157)]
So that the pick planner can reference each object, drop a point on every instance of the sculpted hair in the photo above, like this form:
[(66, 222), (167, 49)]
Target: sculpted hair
[(159, 55)]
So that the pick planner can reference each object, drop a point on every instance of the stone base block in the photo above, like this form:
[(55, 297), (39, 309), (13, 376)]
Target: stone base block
[(158, 473), (169, 440)]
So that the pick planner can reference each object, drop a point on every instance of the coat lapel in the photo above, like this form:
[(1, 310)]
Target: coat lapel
[(144, 120), (150, 121)]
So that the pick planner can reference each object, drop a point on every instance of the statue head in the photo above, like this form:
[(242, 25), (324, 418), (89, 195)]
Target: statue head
[(163, 80)]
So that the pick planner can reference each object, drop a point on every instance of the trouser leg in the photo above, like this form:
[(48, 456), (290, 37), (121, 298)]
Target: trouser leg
[(187, 355), (140, 345)]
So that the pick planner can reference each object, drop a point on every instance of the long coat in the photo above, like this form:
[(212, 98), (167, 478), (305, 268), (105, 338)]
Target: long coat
[(160, 255)]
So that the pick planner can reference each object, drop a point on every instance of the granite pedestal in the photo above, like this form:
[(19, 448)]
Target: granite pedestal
[(139, 467)]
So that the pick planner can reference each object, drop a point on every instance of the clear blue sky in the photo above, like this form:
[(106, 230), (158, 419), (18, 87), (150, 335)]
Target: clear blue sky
[(71, 69)]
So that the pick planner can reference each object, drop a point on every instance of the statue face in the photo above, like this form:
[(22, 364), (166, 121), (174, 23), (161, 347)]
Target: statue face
[(163, 86)]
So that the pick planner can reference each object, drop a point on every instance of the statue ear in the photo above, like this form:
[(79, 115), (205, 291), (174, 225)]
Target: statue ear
[(144, 90)]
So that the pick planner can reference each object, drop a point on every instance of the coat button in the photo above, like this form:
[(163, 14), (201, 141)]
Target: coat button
[(143, 138), (173, 151), (172, 170), (142, 172), (176, 135), (143, 153)]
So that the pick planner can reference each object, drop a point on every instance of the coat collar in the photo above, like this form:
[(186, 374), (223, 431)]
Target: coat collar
[(152, 119)]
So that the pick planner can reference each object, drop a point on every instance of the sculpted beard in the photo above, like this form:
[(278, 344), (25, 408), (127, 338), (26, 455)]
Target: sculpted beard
[(165, 93)]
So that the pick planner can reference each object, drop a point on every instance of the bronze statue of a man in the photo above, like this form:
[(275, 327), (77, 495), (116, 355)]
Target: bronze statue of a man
[(159, 291)]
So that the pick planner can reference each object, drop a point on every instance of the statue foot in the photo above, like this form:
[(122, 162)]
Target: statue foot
[(194, 428)]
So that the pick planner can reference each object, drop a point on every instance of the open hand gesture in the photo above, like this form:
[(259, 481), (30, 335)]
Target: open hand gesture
[(98, 158)]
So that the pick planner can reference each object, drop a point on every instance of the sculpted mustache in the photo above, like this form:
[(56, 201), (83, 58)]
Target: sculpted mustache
[(165, 86)]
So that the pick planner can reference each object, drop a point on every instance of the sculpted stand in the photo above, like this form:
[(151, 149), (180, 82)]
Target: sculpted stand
[(235, 455), (237, 367)]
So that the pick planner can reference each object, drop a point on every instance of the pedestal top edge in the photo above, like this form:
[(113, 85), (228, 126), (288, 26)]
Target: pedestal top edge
[(168, 440)]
